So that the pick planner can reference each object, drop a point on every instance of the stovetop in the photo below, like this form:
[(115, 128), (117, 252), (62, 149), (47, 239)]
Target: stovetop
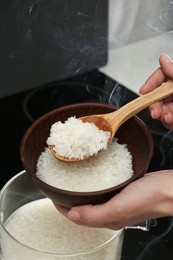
[(19, 111)]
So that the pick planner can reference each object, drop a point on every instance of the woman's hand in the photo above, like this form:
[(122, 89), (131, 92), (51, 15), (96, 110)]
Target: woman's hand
[(162, 110), (148, 197)]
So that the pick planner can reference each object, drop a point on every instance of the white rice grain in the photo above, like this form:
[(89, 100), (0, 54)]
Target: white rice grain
[(109, 168), (40, 226)]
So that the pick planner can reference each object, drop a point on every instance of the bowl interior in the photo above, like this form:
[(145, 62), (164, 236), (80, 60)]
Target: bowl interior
[(133, 132)]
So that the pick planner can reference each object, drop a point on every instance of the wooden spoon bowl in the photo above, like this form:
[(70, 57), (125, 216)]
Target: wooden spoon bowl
[(133, 132)]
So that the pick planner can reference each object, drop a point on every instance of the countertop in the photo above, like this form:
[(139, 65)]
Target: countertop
[(133, 63)]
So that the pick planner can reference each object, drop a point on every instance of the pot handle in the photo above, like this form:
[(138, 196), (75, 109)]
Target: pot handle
[(144, 226)]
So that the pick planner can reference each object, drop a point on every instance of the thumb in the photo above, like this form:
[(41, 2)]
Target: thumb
[(91, 215)]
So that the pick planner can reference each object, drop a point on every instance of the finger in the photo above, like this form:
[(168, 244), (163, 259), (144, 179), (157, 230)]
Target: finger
[(163, 111), (61, 209), (155, 80), (167, 115), (86, 215), (92, 215), (160, 75), (156, 110), (167, 65)]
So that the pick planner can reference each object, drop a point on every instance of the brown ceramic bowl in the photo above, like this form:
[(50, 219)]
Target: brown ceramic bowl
[(133, 132)]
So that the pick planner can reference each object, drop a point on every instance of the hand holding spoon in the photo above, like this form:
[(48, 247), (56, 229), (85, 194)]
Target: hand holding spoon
[(112, 121)]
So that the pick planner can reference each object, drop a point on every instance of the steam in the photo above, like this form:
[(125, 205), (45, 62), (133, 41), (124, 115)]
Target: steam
[(163, 23), (130, 21)]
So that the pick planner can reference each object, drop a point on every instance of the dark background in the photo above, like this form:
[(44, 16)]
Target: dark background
[(43, 41)]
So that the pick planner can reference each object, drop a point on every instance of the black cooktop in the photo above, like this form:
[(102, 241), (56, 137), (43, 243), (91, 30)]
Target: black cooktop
[(19, 111)]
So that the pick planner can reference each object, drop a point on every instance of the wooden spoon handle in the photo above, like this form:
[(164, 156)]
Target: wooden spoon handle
[(118, 117)]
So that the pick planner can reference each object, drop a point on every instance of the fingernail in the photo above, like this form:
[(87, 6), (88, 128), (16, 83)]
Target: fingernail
[(74, 214), (152, 113), (167, 58)]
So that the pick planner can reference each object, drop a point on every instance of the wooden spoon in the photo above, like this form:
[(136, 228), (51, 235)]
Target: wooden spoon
[(112, 121)]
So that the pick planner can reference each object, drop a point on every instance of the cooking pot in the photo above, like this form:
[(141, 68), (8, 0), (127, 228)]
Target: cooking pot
[(18, 193)]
